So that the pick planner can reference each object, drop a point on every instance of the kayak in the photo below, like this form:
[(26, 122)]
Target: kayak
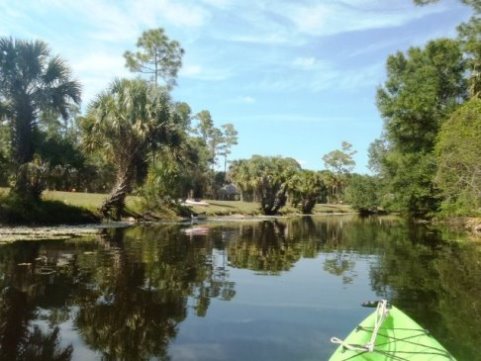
[(389, 334)]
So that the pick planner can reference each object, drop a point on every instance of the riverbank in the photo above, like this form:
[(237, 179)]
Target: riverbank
[(73, 208), (15, 211), (206, 208)]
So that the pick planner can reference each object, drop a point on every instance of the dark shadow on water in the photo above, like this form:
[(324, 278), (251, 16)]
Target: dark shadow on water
[(129, 293)]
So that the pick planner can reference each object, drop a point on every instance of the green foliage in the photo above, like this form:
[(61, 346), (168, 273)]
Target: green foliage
[(5, 164), (458, 156), (229, 140), (410, 188), (339, 164), (423, 88), (205, 125), (305, 189), (31, 82), (340, 160), (364, 193), (167, 183), (219, 141), (124, 123), (267, 178), (157, 56), (468, 34)]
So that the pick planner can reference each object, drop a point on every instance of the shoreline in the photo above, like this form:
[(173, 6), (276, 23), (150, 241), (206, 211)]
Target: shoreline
[(9, 233)]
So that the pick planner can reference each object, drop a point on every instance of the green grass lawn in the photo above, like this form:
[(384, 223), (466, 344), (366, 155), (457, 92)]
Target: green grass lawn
[(225, 208), (92, 201), (221, 208)]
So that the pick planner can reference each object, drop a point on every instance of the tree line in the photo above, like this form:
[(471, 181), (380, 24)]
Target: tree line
[(426, 160), (133, 135)]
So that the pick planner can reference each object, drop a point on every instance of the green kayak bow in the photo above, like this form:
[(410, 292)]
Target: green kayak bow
[(389, 334)]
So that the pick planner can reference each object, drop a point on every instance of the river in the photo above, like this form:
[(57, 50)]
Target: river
[(248, 290)]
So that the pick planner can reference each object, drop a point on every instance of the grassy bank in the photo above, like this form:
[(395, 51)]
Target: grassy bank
[(92, 201), (89, 201), (225, 208), (76, 208), (44, 212)]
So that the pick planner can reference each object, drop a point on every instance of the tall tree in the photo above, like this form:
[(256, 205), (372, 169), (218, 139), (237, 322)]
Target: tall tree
[(31, 82), (124, 122), (340, 163), (157, 56), (340, 160), (423, 87), (468, 35), (205, 125), (212, 136), (229, 138)]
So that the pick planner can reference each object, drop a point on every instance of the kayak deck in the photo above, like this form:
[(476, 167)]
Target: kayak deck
[(399, 338)]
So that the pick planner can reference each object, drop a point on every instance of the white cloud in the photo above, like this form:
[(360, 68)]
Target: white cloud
[(246, 99), (320, 77), (222, 4), (333, 17), (305, 63), (100, 63), (176, 13), (292, 118), (265, 38), (198, 72), (190, 70), (119, 21)]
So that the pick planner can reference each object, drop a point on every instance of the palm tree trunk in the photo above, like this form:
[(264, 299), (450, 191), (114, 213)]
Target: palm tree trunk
[(113, 206), (22, 147)]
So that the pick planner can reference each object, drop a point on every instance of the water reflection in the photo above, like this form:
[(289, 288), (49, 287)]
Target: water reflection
[(132, 295)]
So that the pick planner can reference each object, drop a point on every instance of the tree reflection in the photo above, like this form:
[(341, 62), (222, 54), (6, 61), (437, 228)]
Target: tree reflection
[(437, 283), (271, 247), (139, 296), (127, 292), (19, 340)]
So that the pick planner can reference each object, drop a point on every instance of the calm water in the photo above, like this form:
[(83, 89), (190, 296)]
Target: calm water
[(232, 291)]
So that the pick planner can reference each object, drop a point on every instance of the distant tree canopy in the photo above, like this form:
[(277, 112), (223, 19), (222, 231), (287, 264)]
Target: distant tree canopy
[(339, 163), (158, 56), (340, 160), (306, 187), (364, 193), (267, 178)]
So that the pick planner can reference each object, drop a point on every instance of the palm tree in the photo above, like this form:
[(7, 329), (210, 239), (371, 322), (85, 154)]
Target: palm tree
[(124, 123), (305, 187), (31, 81)]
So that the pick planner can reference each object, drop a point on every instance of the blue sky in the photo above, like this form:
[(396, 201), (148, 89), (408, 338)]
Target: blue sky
[(295, 77)]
